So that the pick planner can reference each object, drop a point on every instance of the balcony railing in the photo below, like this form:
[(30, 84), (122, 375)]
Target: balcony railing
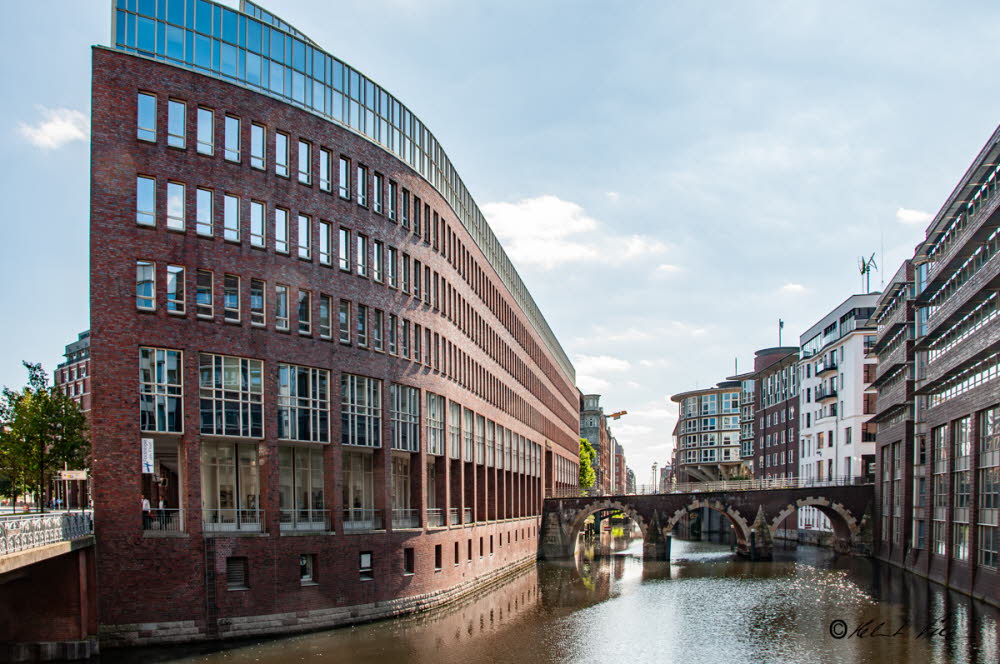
[(29, 531), (467, 515), (761, 484), (453, 516), (164, 520), (435, 517), (232, 520), (357, 519), (303, 519), (828, 365), (405, 518), (824, 393)]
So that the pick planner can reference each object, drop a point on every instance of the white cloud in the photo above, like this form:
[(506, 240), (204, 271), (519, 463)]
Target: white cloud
[(666, 269), (632, 334), (907, 216), (658, 363), (591, 384), (596, 364), (793, 289), (547, 231), (57, 127)]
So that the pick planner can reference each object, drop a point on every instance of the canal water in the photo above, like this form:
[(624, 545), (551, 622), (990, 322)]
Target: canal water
[(706, 605)]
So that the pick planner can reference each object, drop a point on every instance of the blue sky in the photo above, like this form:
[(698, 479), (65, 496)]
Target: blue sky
[(669, 178)]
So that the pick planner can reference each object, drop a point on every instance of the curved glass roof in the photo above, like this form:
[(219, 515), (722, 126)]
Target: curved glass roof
[(257, 50)]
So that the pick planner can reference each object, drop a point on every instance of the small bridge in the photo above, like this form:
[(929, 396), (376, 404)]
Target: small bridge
[(754, 508)]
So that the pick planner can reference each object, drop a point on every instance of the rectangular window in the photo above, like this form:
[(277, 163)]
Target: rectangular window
[(258, 302), (362, 326), (307, 569), (393, 195), (176, 113), (377, 192), (361, 411), (146, 118), (417, 271), (325, 317), (392, 266), (362, 256), (305, 312), (408, 564), (145, 201), (281, 307), (345, 178), (160, 390), (404, 284), (231, 392), (175, 289), (305, 238), (257, 233), (325, 162), (305, 165), (377, 260), (237, 577), (417, 342), (258, 146), (344, 250), (303, 404), (435, 424), (345, 321), (377, 318), (206, 131), (393, 324), (231, 218), (232, 147), (281, 230), (365, 566), (203, 222), (325, 246), (205, 295), (404, 416), (437, 557), (404, 339), (145, 285), (416, 216), (281, 154), (363, 186), (231, 298), (404, 217)]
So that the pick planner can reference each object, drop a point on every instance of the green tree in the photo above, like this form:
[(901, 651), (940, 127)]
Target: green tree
[(587, 456), (41, 429)]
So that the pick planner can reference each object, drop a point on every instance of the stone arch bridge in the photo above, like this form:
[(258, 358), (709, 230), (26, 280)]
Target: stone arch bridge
[(755, 516)]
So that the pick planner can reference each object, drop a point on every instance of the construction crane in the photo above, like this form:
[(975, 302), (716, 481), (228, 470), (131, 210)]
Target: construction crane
[(615, 416)]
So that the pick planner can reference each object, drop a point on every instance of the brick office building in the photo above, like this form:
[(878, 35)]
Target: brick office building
[(307, 343)]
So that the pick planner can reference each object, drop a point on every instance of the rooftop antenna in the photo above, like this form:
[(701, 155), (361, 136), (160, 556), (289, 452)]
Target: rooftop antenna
[(781, 326), (865, 266)]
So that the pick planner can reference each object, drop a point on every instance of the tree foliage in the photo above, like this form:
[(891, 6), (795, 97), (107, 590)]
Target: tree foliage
[(587, 457), (41, 429)]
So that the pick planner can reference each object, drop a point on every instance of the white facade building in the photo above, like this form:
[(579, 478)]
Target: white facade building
[(834, 402)]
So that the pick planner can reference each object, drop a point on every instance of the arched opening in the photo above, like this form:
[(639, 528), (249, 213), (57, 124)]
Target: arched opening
[(739, 527), (603, 512), (844, 526)]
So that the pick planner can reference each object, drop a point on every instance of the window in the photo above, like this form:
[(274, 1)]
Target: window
[(417, 341), (362, 255), (303, 404), (258, 146), (361, 411), (362, 326), (175, 289), (281, 307), (160, 390), (281, 230), (281, 154), (377, 318), (257, 233), (416, 216), (258, 302), (231, 298), (231, 218), (305, 312), (230, 486), (307, 569), (416, 279), (392, 334), (300, 488), (404, 417), (146, 118), (404, 284), (378, 251), (325, 246), (175, 123), (145, 201), (393, 195), (435, 424), (232, 147), (392, 267), (344, 250), (325, 161), (206, 131), (204, 295), (408, 560), (305, 169), (325, 317), (145, 285), (378, 193), (437, 557), (231, 393), (365, 566), (345, 322), (404, 339), (305, 238), (203, 222), (362, 186), (404, 217), (236, 574), (345, 178)]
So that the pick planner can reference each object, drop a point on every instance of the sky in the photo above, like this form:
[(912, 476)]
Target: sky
[(669, 178)]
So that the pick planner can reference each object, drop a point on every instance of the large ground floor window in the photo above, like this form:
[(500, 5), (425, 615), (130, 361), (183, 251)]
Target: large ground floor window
[(358, 482), (230, 486), (300, 492)]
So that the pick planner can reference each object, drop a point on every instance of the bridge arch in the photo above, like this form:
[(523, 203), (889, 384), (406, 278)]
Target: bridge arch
[(846, 525), (602, 506), (737, 519)]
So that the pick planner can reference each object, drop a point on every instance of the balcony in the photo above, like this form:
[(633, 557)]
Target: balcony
[(305, 520), (829, 366), (165, 520), (826, 393), (405, 518), (435, 517), (453, 516), (467, 515), (232, 520), (359, 520)]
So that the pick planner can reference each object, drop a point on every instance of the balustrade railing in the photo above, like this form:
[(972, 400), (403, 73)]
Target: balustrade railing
[(467, 515), (453, 516), (303, 519), (435, 517), (761, 484), (405, 518), (357, 519), (164, 520), (226, 520), (28, 531)]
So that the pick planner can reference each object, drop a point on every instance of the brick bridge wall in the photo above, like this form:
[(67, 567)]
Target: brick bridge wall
[(755, 517)]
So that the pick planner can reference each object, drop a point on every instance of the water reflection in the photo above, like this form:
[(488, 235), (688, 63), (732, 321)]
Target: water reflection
[(705, 605)]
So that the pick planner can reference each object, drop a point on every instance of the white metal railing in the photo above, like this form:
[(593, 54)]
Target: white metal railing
[(467, 515), (453, 516), (435, 517), (357, 519), (225, 520), (304, 519), (761, 484), (167, 520), (29, 531), (405, 518)]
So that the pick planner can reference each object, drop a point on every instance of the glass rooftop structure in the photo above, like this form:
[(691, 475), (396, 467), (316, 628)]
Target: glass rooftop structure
[(255, 49)]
